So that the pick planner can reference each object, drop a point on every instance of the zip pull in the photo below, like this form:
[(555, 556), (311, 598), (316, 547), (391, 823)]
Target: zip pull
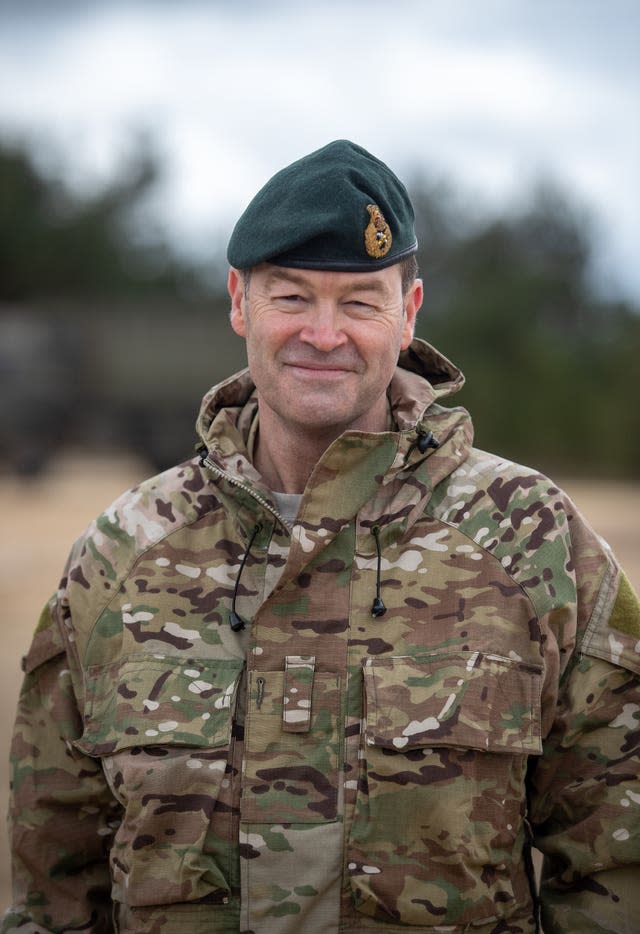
[(260, 695)]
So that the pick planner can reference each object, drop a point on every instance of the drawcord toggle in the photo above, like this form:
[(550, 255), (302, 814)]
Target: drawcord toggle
[(426, 441), (377, 607)]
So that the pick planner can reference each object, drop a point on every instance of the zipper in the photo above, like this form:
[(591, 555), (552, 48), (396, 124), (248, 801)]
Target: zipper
[(232, 480)]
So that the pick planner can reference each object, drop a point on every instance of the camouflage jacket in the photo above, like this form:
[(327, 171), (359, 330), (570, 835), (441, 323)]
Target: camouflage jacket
[(326, 769)]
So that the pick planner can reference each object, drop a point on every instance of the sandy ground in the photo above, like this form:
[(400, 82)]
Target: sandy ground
[(40, 520)]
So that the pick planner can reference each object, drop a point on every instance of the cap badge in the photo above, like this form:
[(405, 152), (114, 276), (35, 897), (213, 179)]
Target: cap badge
[(377, 235)]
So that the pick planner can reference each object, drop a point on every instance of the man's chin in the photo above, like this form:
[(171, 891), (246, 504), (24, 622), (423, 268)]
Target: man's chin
[(327, 423)]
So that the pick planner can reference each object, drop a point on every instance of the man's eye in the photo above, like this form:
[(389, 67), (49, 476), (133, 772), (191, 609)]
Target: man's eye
[(360, 306), (289, 298)]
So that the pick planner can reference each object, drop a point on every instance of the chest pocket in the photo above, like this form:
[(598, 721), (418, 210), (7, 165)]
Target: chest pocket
[(162, 728), (292, 744), (438, 816)]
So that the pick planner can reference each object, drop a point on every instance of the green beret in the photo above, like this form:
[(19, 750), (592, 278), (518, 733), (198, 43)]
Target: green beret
[(338, 208)]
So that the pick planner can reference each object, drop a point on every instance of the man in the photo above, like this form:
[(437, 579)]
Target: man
[(341, 671)]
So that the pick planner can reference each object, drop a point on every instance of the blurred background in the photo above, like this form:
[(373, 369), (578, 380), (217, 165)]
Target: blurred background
[(134, 132)]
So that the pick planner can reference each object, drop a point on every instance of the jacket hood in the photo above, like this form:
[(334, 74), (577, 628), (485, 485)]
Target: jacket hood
[(427, 443)]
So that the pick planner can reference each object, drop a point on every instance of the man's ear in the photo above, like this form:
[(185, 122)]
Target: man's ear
[(412, 304), (235, 287)]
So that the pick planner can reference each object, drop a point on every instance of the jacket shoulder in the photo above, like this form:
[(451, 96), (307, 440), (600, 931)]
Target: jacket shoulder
[(137, 520), (498, 499), (539, 536), (47, 642)]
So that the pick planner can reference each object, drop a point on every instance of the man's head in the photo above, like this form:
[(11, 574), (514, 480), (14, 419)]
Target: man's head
[(323, 288)]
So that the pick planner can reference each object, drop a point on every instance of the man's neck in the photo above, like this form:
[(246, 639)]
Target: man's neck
[(285, 460), (285, 456)]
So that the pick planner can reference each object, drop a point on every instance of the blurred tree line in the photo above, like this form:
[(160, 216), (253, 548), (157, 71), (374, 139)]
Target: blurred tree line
[(109, 338)]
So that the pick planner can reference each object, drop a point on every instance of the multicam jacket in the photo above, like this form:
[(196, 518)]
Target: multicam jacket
[(325, 769)]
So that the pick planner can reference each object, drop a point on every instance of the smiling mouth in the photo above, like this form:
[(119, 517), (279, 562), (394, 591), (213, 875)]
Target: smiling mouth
[(319, 369)]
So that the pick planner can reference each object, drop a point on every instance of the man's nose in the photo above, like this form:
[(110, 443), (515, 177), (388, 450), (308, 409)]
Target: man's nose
[(323, 329)]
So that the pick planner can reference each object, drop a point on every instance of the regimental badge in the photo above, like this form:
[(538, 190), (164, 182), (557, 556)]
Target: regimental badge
[(377, 235)]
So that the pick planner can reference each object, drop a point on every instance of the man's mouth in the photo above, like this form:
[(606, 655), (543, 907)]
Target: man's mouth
[(328, 365), (319, 369)]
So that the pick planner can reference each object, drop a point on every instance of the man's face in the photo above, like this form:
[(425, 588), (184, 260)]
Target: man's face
[(322, 346)]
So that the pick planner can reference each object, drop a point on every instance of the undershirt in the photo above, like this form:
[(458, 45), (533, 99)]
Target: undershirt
[(288, 505)]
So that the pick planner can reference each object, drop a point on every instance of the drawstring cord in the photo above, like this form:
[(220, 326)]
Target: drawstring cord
[(424, 441), (235, 620), (377, 607)]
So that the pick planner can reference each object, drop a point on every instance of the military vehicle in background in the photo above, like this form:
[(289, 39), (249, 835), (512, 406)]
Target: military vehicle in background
[(108, 339), (128, 377)]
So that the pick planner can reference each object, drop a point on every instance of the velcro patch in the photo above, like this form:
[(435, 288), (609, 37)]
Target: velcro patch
[(625, 616)]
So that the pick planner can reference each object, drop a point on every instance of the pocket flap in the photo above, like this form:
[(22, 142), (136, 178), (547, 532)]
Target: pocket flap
[(467, 699), (141, 701)]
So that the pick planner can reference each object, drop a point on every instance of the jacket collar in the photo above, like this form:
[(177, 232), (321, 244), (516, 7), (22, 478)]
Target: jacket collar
[(387, 473)]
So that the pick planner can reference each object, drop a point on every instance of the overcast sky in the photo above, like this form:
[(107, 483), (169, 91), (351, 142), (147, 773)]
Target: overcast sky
[(490, 94)]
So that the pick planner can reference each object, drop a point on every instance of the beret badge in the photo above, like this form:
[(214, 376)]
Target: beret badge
[(377, 235)]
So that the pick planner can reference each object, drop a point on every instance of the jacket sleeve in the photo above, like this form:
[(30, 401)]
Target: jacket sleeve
[(61, 813), (585, 802)]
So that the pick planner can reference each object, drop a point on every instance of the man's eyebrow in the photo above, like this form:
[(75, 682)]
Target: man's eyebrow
[(364, 284), (367, 285), (281, 275)]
